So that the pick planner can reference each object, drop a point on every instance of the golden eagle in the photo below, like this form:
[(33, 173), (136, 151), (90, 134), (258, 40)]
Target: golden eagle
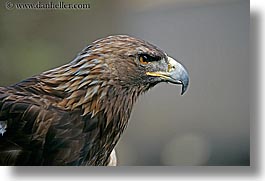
[(76, 113)]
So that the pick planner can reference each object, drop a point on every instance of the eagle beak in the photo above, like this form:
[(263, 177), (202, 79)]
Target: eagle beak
[(175, 74)]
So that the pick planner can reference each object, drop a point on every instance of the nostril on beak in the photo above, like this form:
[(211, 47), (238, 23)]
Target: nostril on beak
[(171, 67)]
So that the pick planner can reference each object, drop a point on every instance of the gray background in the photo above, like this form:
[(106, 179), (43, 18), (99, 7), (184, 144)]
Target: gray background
[(209, 125)]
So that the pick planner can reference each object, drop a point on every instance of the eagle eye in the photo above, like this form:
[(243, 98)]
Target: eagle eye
[(146, 58)]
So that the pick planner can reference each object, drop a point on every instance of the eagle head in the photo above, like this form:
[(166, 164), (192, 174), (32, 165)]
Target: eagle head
[(133, 62)]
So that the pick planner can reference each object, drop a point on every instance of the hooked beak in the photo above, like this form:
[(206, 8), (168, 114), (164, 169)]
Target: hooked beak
[(175, 74)]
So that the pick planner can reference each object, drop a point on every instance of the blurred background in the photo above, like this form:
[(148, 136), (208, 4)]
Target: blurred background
[(209, 125)]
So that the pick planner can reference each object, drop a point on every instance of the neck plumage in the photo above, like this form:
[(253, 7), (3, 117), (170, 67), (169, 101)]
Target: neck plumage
[(110, 103)]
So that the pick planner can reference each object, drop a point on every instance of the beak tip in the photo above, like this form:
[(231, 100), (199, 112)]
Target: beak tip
[(185, 85), (183, 90)]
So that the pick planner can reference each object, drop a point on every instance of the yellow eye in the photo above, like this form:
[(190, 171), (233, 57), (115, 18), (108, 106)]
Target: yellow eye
[(143, 60), (146, 58)]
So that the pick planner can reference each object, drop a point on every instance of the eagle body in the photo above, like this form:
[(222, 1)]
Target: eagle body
[(76, 113)]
